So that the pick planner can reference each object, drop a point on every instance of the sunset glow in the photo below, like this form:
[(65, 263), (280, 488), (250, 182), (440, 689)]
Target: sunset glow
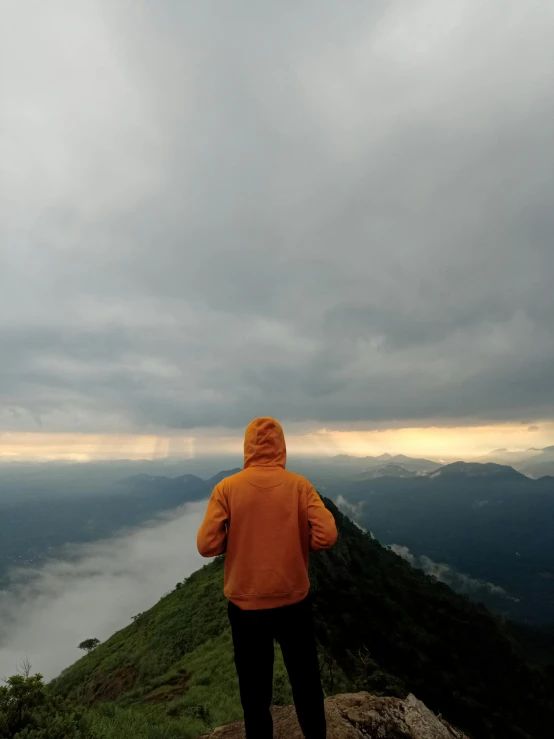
[(469, 442)]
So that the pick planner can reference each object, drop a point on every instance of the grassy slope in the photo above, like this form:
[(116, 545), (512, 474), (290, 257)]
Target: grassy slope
[(385, 626), (175, 660)]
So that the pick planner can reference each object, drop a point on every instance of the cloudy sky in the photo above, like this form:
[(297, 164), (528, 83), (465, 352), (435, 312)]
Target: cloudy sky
[(339, 214)]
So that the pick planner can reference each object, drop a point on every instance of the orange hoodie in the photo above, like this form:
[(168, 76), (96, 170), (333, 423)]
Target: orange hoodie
[(267, 520)]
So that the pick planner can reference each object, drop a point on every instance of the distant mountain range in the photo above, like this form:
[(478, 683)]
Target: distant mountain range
[(366, 463), (532, 462), (455, 469), (167, 492), (485, 529), (32, 528), (388, 470), (475, 469)]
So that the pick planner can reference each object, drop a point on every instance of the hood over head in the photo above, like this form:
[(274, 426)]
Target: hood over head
[(264, 444)]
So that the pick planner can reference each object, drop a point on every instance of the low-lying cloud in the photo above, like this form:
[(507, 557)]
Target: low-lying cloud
[(458, 581), (352, 510), (95, 590)]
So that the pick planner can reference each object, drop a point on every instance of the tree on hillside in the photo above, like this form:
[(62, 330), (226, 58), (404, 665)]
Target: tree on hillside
[(89, 645), (28, 710), (18, 698)]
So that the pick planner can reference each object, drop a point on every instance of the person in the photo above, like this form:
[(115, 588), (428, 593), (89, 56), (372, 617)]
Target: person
[(267, 520)]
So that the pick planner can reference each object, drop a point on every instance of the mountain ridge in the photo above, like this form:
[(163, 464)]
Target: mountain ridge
[(478, 469), (393, 631), (410, 463), (389, 470), (506, 518)]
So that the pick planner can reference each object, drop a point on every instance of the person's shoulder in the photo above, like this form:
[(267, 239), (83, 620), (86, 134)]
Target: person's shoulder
[(227, 482), (299, 480), (231, 478)]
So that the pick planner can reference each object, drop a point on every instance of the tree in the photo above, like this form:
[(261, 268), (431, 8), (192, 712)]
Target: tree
[(18, 698), (89, 645), (28, 710), (25, 667)]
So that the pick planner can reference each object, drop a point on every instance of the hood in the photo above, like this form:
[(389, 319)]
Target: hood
[(264, 444)]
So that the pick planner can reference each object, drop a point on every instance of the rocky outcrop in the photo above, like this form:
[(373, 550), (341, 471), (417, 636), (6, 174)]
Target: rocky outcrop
[(359, 716)]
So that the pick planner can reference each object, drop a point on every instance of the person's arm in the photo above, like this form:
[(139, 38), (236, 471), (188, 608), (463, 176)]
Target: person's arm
[(212, 535), (323, 529)]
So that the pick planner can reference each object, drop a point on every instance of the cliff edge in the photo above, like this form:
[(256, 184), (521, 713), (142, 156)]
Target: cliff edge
[(358, 716)]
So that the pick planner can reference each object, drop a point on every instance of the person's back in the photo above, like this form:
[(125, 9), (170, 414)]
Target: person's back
[(267, 520)]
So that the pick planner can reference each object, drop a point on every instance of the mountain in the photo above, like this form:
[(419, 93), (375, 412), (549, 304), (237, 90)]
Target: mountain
[(388, 470), (486, 530), (409, 463), (357, 716), (33, 527), (541, 464), (474, 469), (45, 506), (382, 627), (532, 462), (162, 493), (514, 458), (539, 469)]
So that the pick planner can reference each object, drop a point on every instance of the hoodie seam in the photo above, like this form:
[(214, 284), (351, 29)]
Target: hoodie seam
[(249, 596), (264, 487)]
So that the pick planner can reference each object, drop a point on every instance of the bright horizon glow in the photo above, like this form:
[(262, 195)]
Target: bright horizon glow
[(447, 443)]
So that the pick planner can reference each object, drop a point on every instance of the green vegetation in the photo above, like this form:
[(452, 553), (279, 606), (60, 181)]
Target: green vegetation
[(172, 667), (28, 711), (382, 626), (423, 638)]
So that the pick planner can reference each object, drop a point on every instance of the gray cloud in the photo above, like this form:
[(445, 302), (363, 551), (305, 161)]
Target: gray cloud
[(326, 214), (94, 591)]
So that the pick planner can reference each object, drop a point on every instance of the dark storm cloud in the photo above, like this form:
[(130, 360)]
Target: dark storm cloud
[(328, 213)]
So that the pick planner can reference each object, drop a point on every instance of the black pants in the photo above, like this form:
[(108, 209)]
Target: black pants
[(253, 635)]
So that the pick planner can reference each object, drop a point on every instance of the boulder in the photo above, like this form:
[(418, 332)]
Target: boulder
[(358, 716)]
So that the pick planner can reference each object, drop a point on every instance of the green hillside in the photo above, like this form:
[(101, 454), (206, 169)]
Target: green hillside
[(381, 625), (174, 661)]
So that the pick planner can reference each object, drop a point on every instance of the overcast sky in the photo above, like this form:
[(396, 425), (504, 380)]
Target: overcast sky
[(328, 212)]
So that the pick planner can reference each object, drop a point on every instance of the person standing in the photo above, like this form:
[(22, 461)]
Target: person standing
[(267, 520)]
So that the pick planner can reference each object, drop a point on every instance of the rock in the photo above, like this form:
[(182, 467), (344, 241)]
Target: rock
[(359, 716)]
